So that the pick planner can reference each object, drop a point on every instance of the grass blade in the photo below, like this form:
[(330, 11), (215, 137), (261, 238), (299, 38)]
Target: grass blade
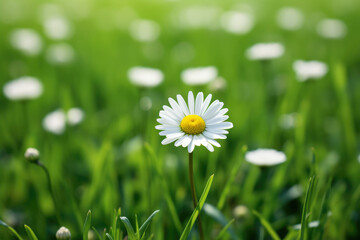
[(87, 225), (223, 231), (304, 217), (11, 229), (197, 210), (266, 225), (143, 227), (109, 236), (129, 228), (30, 233)]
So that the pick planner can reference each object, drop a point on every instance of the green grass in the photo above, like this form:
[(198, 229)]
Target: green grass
[(114, 159)]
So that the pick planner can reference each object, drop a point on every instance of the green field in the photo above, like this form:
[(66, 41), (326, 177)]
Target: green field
[(113, 158)]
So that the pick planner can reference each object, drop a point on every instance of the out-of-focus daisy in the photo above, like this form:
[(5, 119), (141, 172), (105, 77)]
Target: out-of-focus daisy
[(75, 116), (237, 22), (288, 121), (196, 17), (265, 157), (265, 51), (290, 18), (306, 70), (57, 27), (218, 84), (144, 30), (312, 224), (193, 124), (199, 75), (55, 122), (27, 41), (23, 88), (145, 77), (60, 53), (331, 28)]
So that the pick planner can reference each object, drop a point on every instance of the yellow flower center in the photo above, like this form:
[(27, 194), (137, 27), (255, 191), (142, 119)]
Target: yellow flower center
[(192, 124)]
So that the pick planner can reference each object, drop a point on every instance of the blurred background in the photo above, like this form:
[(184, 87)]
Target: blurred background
[(83, 81)]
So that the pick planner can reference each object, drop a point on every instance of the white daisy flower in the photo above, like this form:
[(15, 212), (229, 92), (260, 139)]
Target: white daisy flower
[(55, 122), (306, 70), (145, 77), (199, 75), (60, 53), (57, 27), (331, 28), (23, 88), (237, 22), (265, 157), (265, 51), (27, 41), (75, 116), (193, 124), (290, 19), (144, 30)]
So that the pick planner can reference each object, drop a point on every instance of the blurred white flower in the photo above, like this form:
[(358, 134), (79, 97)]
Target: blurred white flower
[(312, 224), (331, 28), (288, 121), (23, 88), (265, 157), (264, 51), (306, 70), (196, 17), (144, 30), (57, 27), (240, 211), (290, 18), (237, 22), (145, 77), (60, 53), (199, 75), (55, 121), (75, 116), (218, 84), (27, 41)]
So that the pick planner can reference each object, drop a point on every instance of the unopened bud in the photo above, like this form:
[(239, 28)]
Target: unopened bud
[(32, 154), (63, 234)]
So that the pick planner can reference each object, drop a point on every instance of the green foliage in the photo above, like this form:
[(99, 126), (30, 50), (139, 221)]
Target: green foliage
[(30, 233)]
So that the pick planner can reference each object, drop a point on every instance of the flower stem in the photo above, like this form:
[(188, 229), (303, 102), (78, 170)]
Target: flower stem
[(193, 194), (50, 188)]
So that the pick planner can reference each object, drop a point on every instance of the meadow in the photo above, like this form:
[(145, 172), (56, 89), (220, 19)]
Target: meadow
[(93, 121)]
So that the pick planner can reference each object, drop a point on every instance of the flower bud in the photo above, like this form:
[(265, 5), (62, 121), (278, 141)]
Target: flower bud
[(63, 234), (240, 211), (32, 154)]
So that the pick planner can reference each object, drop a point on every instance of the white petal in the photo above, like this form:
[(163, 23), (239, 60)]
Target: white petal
[(213, 135), (217, 119), (169, 120), (176, 113), (176, 108), (213, 142), (191, 102), (209, 147), (191, 146), (166, 122), (197, 140), (210, 113), (199, 102), (217, 131), (186, 141), (223, 125), (167, 115), (166, 127), (223, 111), (182, 104), (180, 141), (205, 104), (211, 107), (168, 140), (169, 132)]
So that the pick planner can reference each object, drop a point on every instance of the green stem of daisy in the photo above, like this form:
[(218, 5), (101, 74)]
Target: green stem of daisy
[(193, 194), (50, 188)]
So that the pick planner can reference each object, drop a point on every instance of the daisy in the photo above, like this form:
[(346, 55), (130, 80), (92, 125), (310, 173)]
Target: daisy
[(237, 22), (265, 51), (23, 88), (290, 19), (144, 30), (265, 157), (27, 41), (306, 70), (60, 53), (194, 124), (331, 28), (145, 76), (55, 122), (199, 75)]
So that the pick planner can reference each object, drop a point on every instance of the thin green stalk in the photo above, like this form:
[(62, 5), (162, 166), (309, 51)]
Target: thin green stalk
[(50, 188), (193, 194)]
